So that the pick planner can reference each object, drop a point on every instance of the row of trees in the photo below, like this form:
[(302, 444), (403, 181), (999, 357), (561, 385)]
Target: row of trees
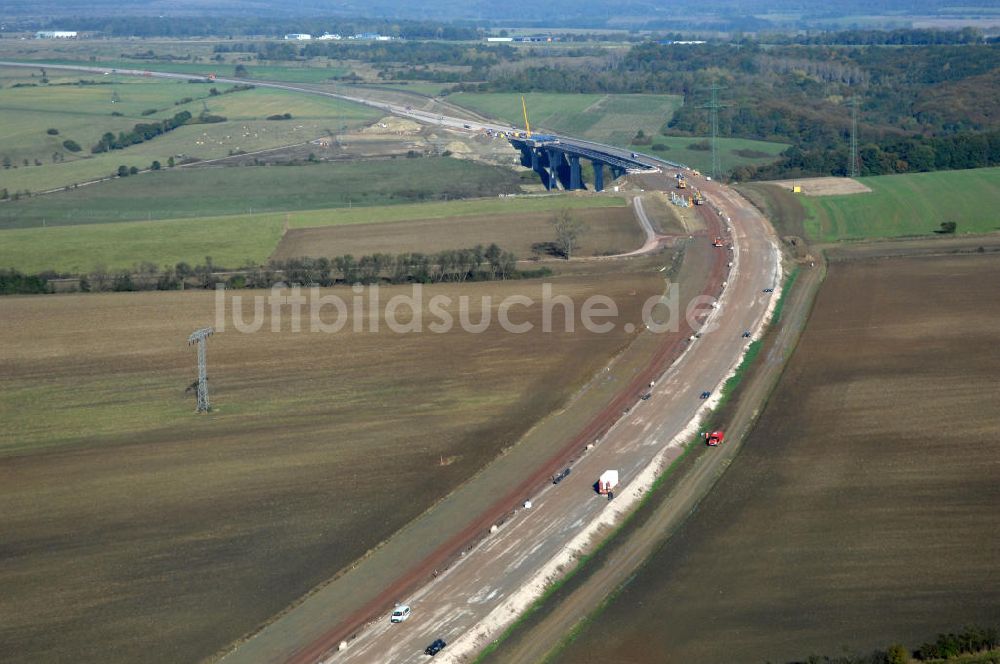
[(970, 641), (140, 133), (453, 265), (477, 263), (14, 282)]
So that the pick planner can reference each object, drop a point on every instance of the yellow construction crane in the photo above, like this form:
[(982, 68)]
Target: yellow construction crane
[(524, 107)]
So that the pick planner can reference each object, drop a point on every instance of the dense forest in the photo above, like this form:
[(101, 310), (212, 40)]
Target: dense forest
[(919, 108)]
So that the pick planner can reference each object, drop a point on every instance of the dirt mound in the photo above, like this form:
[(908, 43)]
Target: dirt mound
[(824, 186), (392, 125), (458, 148)]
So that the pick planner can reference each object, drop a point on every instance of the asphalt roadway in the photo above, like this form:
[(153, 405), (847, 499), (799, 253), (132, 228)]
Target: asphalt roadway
[(469, 603)]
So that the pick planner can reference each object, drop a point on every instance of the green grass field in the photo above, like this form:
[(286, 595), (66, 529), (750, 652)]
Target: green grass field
[(615, 119), (607, 118), (210, 192), (231, 241), (83, 114), (913, 204), (678, 151)]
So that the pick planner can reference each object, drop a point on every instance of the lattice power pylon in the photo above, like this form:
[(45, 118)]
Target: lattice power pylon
[(200, 337), (713, 106)]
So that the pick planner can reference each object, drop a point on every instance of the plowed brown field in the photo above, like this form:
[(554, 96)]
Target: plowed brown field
[(606, 231), (134, 530), (862, 510)]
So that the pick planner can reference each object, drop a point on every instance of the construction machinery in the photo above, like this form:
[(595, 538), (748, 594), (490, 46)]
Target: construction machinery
[(524, 109), (717, 242), (699, 199), (682, 182), (526, 134)]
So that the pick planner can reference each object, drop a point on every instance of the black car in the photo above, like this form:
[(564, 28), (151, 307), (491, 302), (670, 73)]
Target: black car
[(645, 397), (706, 394), (559, 477), (435, 647)]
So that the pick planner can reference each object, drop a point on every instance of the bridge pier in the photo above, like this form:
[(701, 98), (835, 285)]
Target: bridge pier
[(598, 176), (555, 156), (574, 172)]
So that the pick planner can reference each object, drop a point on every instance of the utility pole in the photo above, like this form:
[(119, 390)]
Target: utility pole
[(855, 165), (200, 337), (713, 107)]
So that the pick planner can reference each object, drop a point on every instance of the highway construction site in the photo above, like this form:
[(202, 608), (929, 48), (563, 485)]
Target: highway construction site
[(548, 448)]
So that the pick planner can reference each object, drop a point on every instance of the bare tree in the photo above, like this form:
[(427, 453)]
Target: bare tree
[(568, 231)]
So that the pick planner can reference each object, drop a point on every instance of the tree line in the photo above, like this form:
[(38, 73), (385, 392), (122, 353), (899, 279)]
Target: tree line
[(479, 263), (968, 642), (140, 133)]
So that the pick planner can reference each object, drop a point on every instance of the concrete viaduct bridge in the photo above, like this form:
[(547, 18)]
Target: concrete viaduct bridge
[(557, 161)]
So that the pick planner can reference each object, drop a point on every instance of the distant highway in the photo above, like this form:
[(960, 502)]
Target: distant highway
[(650, 163), (473, 600)]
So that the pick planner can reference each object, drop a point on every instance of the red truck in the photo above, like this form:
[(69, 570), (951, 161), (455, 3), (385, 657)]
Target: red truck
[(715, 438)]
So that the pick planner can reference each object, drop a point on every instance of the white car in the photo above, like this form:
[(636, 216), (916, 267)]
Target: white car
[(400, 614)]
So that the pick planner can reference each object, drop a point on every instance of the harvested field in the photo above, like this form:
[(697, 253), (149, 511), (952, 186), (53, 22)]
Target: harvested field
[(824, 186), (862, 510), (608, 231), (138, 531)]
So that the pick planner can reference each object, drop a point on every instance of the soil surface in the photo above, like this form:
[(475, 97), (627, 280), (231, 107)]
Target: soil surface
[(606, 231), (135, 530), (829, 186), (862, 509)]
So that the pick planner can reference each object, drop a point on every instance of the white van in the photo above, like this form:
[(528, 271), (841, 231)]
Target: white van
[(400, 614)]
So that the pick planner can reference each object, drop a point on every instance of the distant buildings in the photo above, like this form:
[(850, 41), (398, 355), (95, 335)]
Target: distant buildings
[(671, 42), (525, 39), (56, 34), (327, 36)]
